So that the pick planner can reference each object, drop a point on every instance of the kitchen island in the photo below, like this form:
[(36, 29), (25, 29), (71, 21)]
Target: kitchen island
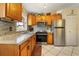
[(18, 44)]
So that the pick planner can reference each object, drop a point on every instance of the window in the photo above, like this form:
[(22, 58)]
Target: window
[(21, 26)]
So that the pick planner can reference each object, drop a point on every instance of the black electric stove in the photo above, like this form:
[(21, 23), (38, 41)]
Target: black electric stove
[(41, 36)]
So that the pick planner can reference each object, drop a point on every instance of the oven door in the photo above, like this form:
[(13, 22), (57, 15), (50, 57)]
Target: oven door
[(41, 38)]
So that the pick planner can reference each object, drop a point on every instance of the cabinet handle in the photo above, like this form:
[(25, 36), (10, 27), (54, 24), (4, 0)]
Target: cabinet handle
[(28, 47), (34, 38)]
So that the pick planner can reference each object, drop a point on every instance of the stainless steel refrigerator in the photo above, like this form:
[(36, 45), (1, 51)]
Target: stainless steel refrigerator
[(59, 32)]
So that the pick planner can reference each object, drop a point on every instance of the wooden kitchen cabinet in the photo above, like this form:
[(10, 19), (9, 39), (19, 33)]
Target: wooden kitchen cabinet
[(44, 18), (33, 42), (14, 10), (38, 18), (9, 50), (29, 48), (11, 10), (34, 20), (24, 49), (31, 20), (50, 39), (56, 16), (49, 19)]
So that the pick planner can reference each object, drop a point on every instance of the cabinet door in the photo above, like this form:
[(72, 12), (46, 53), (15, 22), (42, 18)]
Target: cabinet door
[(49, 19), (38, 18), (24, 51), (29, 48), (56, 17), (50, 39), (44, 18), (34, 20), (33, 42), (29, 19), (14, 11), (59, 16)]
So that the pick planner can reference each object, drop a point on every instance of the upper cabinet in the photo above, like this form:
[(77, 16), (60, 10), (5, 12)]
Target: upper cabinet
[(49, 19), (34, 19), (11, 10), (56, 17), (31, 19), (14, 10), (38, 18)]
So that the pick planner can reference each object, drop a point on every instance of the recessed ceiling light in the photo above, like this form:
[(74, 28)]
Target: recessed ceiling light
[(60, 11), (44, 6)]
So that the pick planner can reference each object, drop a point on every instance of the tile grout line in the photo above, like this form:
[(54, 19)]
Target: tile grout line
[(48, 50), (72, 51), (60, 51)]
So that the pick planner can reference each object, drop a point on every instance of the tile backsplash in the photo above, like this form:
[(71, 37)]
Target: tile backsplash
[(48, 29), (7, 27)]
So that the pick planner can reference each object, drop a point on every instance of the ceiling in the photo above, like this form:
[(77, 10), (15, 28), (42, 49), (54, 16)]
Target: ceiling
[(47, 7)]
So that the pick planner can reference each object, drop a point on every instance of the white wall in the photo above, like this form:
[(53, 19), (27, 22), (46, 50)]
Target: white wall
[(25, 21), (24, 15), (66, 12)]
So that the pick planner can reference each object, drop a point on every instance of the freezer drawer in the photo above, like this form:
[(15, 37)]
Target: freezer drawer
[(59, 36)]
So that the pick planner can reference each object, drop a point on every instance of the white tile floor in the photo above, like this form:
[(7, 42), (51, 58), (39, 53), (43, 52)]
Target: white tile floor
[(50, 50)]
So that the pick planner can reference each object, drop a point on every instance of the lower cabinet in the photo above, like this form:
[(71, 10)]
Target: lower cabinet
[(9, 50), (24, 49), (28, 46), (33, 42), (29, 49), (50, 39)]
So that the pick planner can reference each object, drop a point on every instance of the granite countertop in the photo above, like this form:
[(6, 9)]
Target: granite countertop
[(15, 38)]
